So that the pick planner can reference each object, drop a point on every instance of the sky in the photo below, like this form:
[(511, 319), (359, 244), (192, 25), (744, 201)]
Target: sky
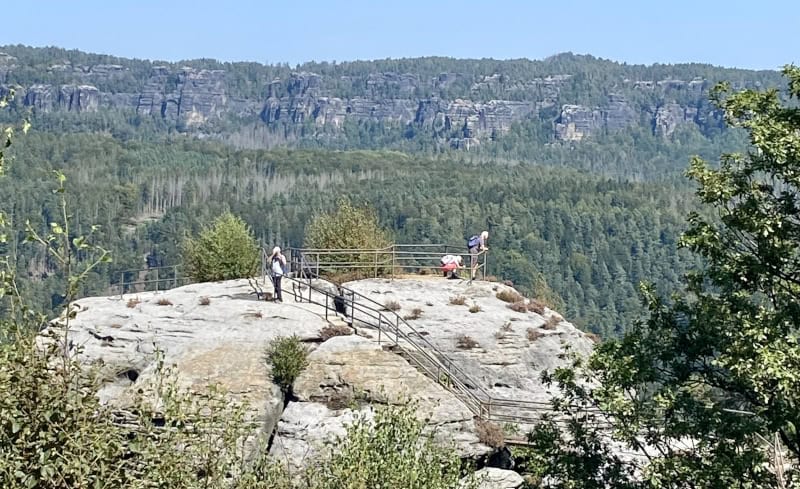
[(734, 33)]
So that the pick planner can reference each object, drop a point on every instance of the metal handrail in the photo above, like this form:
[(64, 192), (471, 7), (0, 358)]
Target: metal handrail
[(386, 261), (480, 403), (172, 279)]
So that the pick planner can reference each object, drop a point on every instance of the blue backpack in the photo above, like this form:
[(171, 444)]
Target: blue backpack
[(474, 241)]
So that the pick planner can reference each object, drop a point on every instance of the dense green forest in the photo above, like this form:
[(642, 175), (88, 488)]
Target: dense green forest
[(590, 239), (582, 222)]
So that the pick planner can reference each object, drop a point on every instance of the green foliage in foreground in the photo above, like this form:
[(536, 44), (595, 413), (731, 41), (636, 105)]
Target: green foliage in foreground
[(225, 250), (287, 357), (707, 386), (54, 434)]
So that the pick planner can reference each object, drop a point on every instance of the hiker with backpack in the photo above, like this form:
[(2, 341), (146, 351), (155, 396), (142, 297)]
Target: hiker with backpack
[(450, 265), (278, 268), (476, 244)]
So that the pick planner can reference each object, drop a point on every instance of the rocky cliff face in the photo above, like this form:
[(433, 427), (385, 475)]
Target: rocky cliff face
[(189, 98), (485, 105), (223, 343)]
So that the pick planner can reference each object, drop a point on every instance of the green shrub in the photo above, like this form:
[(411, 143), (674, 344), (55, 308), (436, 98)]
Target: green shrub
[(225, 250), (390, 450), (288, 357), (350, 227)]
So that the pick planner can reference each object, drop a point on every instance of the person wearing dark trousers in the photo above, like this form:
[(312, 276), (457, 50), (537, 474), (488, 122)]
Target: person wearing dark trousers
[(278, 268)]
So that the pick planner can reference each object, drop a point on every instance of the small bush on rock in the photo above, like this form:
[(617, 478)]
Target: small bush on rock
[(474, 308), (458, 300), (465, 342), (536, 306), (490, 434), (510, 295), (533, 334), (287, 357), (552, 322), (518, 307), (332, 330), (392, 306), (416, 313)]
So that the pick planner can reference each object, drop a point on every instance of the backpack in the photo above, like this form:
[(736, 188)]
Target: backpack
[(474, 241), (277, 266)]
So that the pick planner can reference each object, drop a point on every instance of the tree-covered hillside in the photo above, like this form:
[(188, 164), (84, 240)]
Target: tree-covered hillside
[(589, 239), (573, 162)]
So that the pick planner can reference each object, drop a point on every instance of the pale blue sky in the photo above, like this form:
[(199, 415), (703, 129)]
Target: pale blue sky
[(763, 34)]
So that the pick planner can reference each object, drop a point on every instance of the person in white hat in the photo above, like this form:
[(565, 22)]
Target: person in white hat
[(278, 268)]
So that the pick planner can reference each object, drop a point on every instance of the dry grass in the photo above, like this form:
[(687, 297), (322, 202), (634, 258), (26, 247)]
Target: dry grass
[(518, 307), (391, 305), (424, 271), (593, 336), (536, 306), (508, 283), (491, 278), (474, 308), (465, 342), (204, 301), (115, 325), (133, 302), (533, 334), (490, 434), (551, 323), (458, 300), (331, 330), (164, 302), (507, 327), (257, 314), (416, 313), (339, 400), (509, 296)]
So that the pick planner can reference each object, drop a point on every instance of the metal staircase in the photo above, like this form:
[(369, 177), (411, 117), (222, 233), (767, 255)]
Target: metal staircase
[(397, 334)]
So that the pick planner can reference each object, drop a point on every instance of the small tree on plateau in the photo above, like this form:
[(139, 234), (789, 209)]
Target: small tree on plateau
[(349, 227), (225, 250)]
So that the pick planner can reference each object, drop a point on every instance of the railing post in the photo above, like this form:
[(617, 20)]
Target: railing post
[(379, 328), (156, 279), (396, 328), (326, 304), (376, 263)]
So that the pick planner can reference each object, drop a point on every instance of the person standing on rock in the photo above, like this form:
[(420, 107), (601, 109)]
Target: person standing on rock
[(476, 244), (278, 268)]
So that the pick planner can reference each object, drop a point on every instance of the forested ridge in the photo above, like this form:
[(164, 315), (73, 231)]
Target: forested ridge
[(580, 222), (589, 239)]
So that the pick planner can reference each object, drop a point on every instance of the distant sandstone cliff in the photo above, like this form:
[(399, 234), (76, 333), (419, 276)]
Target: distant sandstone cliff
[(485, 105)]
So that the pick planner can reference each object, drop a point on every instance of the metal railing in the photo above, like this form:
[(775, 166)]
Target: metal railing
[(388, 261), (149, 279), (393, 328), (308, 286)]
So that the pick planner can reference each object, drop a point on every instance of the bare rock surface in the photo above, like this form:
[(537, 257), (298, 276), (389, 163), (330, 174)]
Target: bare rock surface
[(220, 343), (215, 333), (492, 478), (510, 350), (346, 375)]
